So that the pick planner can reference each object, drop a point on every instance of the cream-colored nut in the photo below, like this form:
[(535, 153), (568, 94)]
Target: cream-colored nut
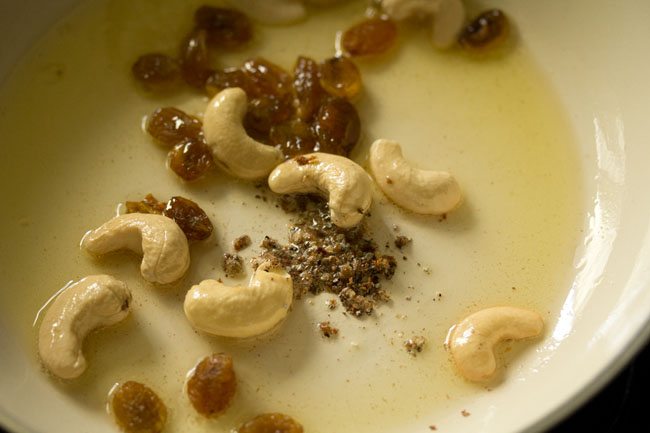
[(447, 23), (272, 11), (90, 303), (347, 185), (241, 312), (472, 341), (406, 9), (420, 191), (162, 243), (233, 149)]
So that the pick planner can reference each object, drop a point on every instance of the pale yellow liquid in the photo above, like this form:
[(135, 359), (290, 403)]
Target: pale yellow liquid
[(74, 149)]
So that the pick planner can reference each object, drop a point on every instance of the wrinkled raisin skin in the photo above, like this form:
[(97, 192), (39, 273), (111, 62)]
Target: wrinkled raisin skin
[(212, 385), (337, 127), (137, 409), (266, 79), (156, 71), (370, 37), (170, 126), (293, 138), (191, 159), (226, 78), (225, 28), (340, 77), (307, 87), (149, 205), (271, 423), (190, 218), (195, 62), (487, 31)]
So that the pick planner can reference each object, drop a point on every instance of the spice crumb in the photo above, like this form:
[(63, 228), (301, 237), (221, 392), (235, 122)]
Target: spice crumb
[(465, 413), (327, 330), (414, 345), (241, 242), (331, 303), (433, 427), (233, 265), (402, 241)]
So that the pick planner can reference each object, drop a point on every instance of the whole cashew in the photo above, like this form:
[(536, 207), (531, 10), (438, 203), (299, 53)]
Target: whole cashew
[(233, 149), (472, 341), (420, 191), (92, 302), (347, 185), (241, 312), (273, 11), (161, 242)]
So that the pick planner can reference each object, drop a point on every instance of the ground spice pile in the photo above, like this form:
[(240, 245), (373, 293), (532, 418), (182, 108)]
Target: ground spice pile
[(321, 257)]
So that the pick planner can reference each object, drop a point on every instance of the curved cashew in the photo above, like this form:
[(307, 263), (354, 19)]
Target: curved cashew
[(273, 11), (92, 302), (233, 149), (472, 341), (241, 312), (162, 243), (448, 23), (347, 184), (420, 191)]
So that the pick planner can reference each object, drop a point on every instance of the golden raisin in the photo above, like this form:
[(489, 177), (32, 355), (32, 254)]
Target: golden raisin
[(149, 205), (195, 63), (340, 77), (369, 37), (137, 409), (170, 126), (307, 87), (190, 218), (156, 71), (264, 112), (266, 78), (212, 384), (226, 78), (337, 127), (226, 28), (293, 138), (486, 31), (271, 423), (190, 159)]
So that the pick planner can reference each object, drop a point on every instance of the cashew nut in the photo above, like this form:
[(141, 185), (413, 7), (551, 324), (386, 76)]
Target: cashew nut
[(273, 11), (161, 242), (447, 23), (406, 9), (241, 312), (420, 191), (347, 184), (92, 302), (233, 149), (472, 341)]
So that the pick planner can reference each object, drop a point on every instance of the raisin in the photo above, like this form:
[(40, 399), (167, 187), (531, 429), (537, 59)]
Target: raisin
[(195, 63), (485, 32), (340, 77), (190, 218), (307, 87), (293, 138), (171, 126), (227, 78), (212, 384), (149, 205), (156, 71), (190, 159), (264, 112), (225, 28), (266, 79), (271, 423), (369, 37), (337, 127), (137, 409)]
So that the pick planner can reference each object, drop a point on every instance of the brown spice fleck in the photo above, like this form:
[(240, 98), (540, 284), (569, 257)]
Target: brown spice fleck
[(433, 427), (233, 265), (322, 257), (402, 241), (331, 303), (414, 345), (327, 330), (464, 413), (241, 242)]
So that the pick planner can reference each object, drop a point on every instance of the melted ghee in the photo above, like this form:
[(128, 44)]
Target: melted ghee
[(73, 149)]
